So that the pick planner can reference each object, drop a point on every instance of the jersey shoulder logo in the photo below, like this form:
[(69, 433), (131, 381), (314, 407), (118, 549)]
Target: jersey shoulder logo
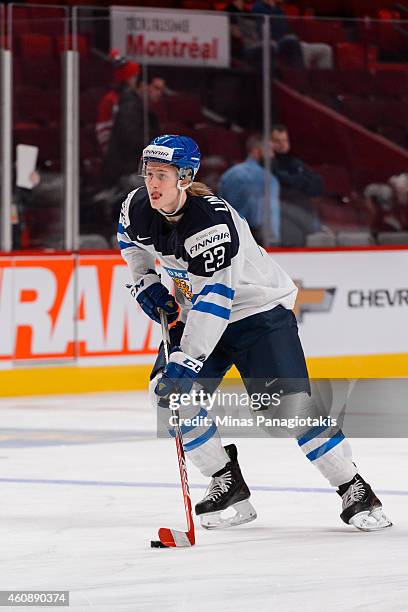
[(207, 238), (124, 213)]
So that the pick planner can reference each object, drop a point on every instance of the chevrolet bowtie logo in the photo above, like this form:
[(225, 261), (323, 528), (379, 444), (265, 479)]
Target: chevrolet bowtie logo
[(319, 299)]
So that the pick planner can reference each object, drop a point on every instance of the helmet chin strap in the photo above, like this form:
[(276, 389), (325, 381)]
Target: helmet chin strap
[(182, 189)]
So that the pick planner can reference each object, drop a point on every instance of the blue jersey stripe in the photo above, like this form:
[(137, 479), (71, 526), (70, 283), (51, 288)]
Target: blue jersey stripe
[(127, 245), (312, 433), (218, 288), (326, 447), (201, 439), (121, 229), (214, 309)]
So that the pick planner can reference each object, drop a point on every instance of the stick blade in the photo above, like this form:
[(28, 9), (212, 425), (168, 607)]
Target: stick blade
[(174, 538)]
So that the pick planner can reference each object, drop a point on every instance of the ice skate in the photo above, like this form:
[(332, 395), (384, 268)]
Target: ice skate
[(227, 490), (361, 506)]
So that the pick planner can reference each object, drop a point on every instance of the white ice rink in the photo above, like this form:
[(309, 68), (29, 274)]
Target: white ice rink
[(85, 486)]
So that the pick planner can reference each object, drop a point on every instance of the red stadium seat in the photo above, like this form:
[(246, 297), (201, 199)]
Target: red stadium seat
[(42, 72), (185, 107), (67, 42), (328, 31), (291, 10), (36, 46), (392, 83), (357, 82), (325, 81), (222, 142), (38, 105), (350, 56)]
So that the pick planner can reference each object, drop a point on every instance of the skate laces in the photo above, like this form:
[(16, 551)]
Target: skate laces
[(354, 493), (218, 486)]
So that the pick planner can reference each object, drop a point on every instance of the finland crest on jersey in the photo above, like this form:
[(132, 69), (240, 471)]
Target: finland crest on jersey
[(181, 280)]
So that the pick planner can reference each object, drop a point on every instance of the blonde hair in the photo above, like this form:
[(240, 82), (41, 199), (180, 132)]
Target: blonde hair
[(199, 189)]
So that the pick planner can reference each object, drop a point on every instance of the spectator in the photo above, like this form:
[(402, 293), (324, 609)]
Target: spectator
[(387, 204), (244, 36), (152, 94), (125, 75), (243, 186), (130, 133), (290, 50), (298, 183)]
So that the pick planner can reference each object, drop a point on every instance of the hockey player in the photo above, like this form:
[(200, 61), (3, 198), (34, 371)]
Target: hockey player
[(235, 308)]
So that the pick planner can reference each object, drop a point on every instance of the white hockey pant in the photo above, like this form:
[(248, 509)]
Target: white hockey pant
[(325, 446)]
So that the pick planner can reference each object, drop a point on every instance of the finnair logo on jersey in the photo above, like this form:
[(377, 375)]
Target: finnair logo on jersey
[(204, 240), (158, 152)]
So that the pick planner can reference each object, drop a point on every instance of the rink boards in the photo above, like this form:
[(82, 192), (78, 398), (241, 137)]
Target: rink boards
[(67, 324)]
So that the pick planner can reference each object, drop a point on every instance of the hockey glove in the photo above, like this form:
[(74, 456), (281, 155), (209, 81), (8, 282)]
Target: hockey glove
[(179, 374), (153, 297)]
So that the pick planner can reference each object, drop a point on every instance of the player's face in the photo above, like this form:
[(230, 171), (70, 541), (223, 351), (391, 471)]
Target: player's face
[(161, 184)]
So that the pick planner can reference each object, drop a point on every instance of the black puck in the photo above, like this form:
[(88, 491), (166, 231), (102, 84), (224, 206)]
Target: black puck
[(157, 544)]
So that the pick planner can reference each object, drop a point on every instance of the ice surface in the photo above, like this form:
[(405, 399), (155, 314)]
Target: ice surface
[(85, 486)]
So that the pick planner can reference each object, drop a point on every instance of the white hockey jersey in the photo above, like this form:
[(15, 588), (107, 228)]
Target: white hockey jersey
[(219, 272)]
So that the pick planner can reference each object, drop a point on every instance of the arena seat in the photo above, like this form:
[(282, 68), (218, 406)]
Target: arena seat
[(357, 82), (39, 105), (35, 46), (362, 238), (391, 83), (321, 239), (350, 56), (223, 142), (328, 31), (185, 107), (325, 81), (93, 242), (392, 238), (67, 42)]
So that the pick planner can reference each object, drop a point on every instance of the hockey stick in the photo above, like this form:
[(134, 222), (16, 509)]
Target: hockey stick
[(172, 537)]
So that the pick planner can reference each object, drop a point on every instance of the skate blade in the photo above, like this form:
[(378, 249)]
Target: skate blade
[(370, 521), (244, 513)]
